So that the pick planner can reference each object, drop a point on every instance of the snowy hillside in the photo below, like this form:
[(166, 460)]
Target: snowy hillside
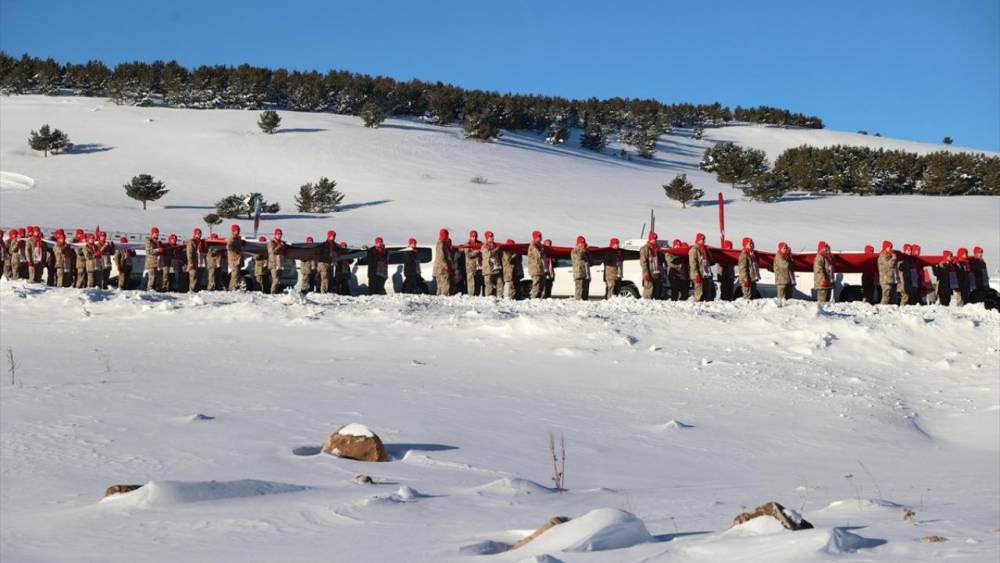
[(409, 179), (684, 415)]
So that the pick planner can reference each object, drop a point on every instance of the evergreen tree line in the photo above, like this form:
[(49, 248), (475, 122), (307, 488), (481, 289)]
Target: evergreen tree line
[(851, 169), (249, 87)]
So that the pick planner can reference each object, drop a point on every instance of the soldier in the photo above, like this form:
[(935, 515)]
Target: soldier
[(869, 277), (581, 268), (105, 251), (961, 297), (196, 253), (307, 269), (213, 264), (444, 263), (327, 262), (513, 271), (276, 252), (907, 286), (653, 271), (925, 292), (614, 261), (154, 252), (61, 253), (173, 264), (260, 268), (234, 257), (102, 259), (22, 251), (947, 278), (90, 260), (726, 275), (79, 260), (5, 255), (378, 268), (700, 264), (35, 252), (888, 272), (749, 270), (413, 280), (823, 272), (123, 262), (784, 271), (549, 268), (678, 273), (492, 266), (473, 266), (342, 273), (980, 273), (50, 261), (536, 265)]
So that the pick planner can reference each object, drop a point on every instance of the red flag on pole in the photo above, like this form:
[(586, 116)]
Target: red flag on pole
[(722, 218)]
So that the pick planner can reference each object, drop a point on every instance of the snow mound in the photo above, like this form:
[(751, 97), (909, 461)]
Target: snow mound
[(355, 429), (12, 182), (764, 539), (675, 425), (842, 541), (866, 504), (405, 493), (511, 487), (598, 530), (541, 559), (756, 527), (200, 417), (175, 493)]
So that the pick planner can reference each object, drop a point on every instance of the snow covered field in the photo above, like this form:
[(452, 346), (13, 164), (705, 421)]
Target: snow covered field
[(681, 414)]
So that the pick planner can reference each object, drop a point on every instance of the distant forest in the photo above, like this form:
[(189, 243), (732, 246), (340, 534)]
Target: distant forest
[(249, 87)]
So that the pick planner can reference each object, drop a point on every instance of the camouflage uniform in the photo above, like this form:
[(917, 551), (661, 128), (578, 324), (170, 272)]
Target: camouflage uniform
[(473, 271), (652, 264), (378, 270), (444, 266), (492, 269), (749, 272), (888, 274), (614, 262), (822, 277), (154, 251), (536, 269), (234, 259), (784, 276), (700, 264), (581, 272)]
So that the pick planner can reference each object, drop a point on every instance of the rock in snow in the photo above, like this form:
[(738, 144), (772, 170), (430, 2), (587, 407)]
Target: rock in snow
[(789, 519), (356, 441)]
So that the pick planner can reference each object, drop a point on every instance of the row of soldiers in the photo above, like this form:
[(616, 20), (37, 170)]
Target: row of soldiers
[(25, 255), (483, 267)]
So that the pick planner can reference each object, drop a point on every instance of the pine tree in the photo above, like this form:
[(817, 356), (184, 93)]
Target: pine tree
[(305, 201), (234, 206), (680, 189), (767, 187), (593, 137), (732, 164), (558, 132), (698, 133), (212, 219), (49, 140), (143, 188), (947, 140), (480, 126), (326, 196), (372, 114), (269, 121)]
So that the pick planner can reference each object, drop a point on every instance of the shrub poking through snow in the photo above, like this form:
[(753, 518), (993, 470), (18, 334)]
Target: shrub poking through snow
[(356, 441), (558, 461), (788, 518)]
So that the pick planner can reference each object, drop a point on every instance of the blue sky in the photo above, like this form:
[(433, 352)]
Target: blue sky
[(912, 69)]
